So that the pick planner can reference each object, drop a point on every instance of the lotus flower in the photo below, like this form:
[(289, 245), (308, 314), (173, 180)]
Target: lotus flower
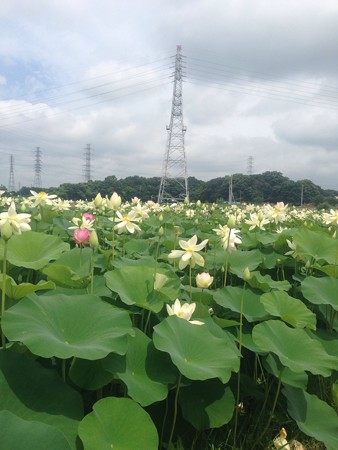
[(184, 311), (189, 254)]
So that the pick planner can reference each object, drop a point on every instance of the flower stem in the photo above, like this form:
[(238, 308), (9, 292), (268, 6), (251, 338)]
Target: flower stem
[(92, 273), (175, 410), (239, 371), (63, 370), (271, 412), (113, 240), (190, 281), (3, 293)]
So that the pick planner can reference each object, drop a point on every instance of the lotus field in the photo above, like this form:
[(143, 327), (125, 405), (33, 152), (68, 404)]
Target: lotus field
[(138, 326)]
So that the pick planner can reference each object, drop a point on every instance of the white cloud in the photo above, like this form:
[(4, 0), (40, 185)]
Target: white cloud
[(261, 80)]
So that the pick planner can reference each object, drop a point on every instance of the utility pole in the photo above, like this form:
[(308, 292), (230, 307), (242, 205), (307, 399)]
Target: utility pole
[(174, 181), (302, 195), (11, 182), (230, 191), (37, 169), (87, 171)]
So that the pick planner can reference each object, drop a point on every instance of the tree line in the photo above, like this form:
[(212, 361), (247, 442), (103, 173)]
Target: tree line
[(259, 188)]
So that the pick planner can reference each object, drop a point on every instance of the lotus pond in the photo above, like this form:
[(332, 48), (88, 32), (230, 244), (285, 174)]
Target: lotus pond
[(138, 326)]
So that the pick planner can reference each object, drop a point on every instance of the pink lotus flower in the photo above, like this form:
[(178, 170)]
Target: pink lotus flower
[(81, 236), (89, 217)]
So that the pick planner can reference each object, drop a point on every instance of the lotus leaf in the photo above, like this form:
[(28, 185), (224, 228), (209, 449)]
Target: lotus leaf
[(64, 326), (118, 423)]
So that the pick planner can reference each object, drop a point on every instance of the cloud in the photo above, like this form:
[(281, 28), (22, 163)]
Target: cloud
[(260, 80)]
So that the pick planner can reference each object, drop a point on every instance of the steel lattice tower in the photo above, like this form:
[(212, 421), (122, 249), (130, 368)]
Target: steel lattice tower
[(87, 171), (11, 182), (174, 181), (250, 165), (37, 169)]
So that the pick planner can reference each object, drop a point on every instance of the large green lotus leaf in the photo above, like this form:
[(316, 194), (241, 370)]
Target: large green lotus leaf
[(145, 370), (313, 416), (64, 326), (195, 349), (20, 434), (89, 374), (64, 276), (34, 250), (207, 404), (289, 309), (266, 283), (294, 347), (135, 286), (317, 245), (72, 269), (266, 238), (238, 261), (78, 260), (297, 379), (16, 291), (230, 297), (37, 394), (321, 291), (137, 246), (118, 423)]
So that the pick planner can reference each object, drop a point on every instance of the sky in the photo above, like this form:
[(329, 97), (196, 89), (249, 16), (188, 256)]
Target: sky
[(260, 84)]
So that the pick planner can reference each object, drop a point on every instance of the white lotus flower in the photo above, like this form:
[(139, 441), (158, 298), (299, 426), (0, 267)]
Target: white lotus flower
[(184, 311), (228, 237), (331, 218), (126, 222), (18, 222), (189, 254), (42, 198)]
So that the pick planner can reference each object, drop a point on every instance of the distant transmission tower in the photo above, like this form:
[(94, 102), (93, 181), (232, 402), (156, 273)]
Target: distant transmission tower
[(37, 169), (11, 182), (250, 165), (174, 181), (87, 171)]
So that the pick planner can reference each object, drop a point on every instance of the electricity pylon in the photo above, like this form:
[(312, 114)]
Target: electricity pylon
[(87, 165), (37, 169), (11, 182), (174, 181)]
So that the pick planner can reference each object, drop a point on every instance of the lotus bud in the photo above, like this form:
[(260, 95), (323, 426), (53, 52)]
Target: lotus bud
[(98, 201), (198, 203), (93, 240), (38, 217), (232, 222), (161, 231), (115, 201), (81, 236), (6, 231), (23, 208), (246, 274), (186, 200), (160, 217), (204, 280)]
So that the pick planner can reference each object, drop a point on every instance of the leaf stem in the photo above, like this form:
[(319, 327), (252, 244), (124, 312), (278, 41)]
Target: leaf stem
[(175, 410), (266, 428), (3, 293)]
